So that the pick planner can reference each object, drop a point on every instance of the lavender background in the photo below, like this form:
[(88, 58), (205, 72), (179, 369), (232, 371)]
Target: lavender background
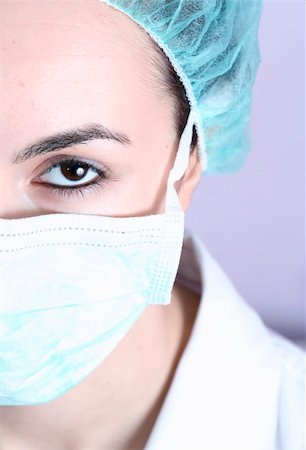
[(253, 221)]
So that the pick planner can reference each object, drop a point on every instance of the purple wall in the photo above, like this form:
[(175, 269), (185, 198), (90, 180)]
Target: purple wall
[(253, 221)]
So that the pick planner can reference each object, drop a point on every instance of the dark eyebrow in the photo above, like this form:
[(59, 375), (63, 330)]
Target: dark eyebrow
[(74, 136)]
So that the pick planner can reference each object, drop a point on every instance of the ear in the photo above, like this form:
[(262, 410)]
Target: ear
[(187, 184)]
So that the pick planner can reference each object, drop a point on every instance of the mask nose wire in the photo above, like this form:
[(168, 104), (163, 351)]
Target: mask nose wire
[(180, 165)]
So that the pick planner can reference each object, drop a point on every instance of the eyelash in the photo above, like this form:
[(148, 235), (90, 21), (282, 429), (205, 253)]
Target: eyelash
[(77, 190)]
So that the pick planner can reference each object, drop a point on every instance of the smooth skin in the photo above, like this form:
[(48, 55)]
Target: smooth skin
[(64, 65)]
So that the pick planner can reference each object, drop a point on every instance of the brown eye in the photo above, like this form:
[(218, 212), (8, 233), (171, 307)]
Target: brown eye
[(74, 170), (71, 176), (70, 173)]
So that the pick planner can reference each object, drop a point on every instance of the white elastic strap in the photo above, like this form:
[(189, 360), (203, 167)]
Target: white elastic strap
[(180, 164)]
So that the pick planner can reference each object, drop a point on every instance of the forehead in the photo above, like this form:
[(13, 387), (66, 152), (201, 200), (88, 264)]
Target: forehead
[(38, 27), (68, 63)]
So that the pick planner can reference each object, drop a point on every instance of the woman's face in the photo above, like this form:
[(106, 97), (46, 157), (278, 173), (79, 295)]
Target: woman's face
[(69, 66)]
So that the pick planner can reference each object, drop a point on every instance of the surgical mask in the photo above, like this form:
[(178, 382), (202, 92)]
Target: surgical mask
[(73, 285)]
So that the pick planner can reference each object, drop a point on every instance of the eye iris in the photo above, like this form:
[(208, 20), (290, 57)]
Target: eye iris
[(74, 171)]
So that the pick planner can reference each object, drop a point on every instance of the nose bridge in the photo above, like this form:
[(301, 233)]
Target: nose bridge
[(14, 214), (14, 203), (13, 210), (10, 205)]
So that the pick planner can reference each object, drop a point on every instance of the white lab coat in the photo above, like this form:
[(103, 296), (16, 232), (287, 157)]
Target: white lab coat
[(238, 385)]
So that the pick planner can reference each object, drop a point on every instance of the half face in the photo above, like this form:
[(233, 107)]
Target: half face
[(83, 128)]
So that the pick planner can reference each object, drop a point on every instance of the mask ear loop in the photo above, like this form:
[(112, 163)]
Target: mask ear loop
[(180, 165)]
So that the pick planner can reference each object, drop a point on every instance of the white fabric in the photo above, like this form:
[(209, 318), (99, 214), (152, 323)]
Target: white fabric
[(238, 385)]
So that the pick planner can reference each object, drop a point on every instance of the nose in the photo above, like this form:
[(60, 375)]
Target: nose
[(15, 210), (17, 214), (14, 203)]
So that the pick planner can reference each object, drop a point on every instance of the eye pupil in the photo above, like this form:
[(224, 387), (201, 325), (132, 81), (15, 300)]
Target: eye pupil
[(74, 171)]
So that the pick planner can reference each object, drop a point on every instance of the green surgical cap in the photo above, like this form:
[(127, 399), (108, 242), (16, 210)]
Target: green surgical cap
[(213, 46)]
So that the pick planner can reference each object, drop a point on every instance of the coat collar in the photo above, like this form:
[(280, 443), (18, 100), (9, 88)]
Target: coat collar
[(224, 393)]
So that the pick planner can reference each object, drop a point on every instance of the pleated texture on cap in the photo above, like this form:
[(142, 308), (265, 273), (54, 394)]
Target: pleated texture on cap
[(213, 46)]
